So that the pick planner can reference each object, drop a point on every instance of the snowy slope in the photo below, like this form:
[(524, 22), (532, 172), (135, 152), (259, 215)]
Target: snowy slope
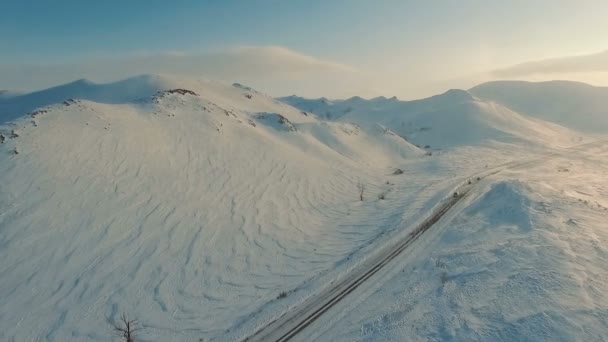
[(571, 104), (205, 210), (524, 260), (444, 121), (192, 208)]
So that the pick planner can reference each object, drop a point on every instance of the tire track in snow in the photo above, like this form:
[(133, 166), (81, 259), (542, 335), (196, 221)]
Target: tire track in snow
[(300, 319), (291, 323)]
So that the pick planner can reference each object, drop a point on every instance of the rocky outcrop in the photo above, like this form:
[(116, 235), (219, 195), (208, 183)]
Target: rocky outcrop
[(179, 91)]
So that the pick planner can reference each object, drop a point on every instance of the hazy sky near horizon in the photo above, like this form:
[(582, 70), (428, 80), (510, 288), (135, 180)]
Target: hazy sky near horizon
[(332, 48)]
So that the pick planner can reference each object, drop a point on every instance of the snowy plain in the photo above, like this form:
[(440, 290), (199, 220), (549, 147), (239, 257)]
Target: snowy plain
[(207, 213)]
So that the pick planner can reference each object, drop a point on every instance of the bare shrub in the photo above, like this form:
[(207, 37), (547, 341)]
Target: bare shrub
[(361, 188), (126, 328), (439, 263)]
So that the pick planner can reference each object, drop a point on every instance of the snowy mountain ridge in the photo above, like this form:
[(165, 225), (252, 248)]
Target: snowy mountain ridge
[(454, 118), (206, 210)]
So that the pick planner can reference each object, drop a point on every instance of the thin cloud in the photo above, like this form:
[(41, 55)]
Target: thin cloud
[(291, 60), (597, 62), (259, 63)]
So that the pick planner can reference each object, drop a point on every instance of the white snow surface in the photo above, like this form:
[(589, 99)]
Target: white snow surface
[(195, 213), (190, 212), (453, 119), (523, 260)]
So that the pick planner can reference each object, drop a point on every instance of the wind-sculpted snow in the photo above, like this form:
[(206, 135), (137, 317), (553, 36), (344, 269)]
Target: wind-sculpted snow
[(178, 211), (206, 210), (524, 260)]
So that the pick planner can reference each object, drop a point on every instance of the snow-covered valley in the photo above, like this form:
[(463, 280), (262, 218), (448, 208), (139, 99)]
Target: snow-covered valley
[(207, 210)]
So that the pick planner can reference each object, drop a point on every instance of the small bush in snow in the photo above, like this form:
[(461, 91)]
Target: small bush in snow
[(439, 263), (282, 295), (361, 188), (126, 328), (444, 278), (398, 172)]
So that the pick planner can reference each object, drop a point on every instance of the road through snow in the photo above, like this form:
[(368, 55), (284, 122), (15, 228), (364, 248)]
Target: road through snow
[(291, 323)]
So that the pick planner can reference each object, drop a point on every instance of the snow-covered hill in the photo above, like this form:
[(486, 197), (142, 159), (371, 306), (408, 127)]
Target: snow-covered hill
[(455, 118), (190, 204), (205, 210), (572, 104)]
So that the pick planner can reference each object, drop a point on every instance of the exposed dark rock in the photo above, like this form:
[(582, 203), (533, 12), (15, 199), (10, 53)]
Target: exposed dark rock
[(180, 91), (38, 112), (280, 119), (240, 86), (229, 112)]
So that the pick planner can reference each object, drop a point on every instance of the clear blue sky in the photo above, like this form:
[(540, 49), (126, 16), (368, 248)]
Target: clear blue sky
[(385, 34)]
